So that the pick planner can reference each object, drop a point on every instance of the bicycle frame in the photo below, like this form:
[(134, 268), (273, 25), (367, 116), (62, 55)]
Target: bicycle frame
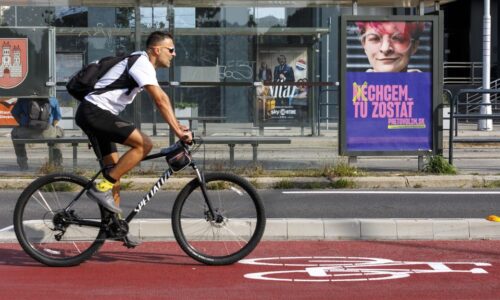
[(154, 189)]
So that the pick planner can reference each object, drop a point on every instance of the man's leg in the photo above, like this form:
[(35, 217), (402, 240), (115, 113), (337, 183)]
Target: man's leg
[(20, 149), (106, 190), (140, 145), (111, 160), (52, 132)]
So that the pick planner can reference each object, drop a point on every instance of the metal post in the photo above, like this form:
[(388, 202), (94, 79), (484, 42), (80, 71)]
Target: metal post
[(137, 46), (154, 121), (486, 124), (327, 75), (171, 70), (452, 123), (420, 163), (436, 6)]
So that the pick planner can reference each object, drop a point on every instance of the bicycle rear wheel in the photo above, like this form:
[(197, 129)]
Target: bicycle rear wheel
[(48, 232), (235, 230)]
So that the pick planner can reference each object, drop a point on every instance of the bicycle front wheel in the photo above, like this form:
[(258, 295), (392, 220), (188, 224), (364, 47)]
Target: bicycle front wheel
[(53, 232), (232, 233)]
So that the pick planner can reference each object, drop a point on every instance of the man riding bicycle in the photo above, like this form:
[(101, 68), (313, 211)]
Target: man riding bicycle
[(98, 116)]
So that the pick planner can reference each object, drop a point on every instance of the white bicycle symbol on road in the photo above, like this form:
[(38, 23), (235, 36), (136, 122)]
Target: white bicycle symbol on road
[(338, 269)]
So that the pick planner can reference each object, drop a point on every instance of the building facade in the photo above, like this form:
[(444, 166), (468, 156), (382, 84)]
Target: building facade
[(227, 51)]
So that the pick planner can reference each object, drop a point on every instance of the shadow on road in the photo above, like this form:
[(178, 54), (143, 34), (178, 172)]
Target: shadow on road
[(111, 252), (16, 257)]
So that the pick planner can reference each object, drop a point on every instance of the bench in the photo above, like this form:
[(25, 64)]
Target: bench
[(255, 141), (204, 120), (476, 139), (73, 140)]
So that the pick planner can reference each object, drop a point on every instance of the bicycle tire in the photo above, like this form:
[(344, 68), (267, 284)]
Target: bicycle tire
[(39, 208), (227, 241)]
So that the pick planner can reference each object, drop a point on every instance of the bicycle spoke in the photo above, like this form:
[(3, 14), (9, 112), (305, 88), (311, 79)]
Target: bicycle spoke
[(56, 196), (47, 207), (234, 229), (45, 228), (238, 237), (76, 246)]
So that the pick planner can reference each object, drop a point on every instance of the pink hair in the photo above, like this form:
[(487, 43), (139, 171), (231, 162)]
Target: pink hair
[(411, 29)]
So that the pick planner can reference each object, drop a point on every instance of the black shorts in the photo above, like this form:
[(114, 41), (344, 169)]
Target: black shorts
[(106, 127)]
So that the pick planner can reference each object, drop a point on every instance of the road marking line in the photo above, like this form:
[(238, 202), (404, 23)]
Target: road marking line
[(398, 192)]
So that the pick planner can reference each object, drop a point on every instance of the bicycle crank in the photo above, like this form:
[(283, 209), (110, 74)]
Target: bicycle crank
[(117, 229)]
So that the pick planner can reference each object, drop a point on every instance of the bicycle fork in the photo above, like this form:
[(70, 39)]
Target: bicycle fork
[(212, 213)]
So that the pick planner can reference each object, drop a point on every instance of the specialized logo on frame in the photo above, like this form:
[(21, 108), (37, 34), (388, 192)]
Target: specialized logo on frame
[(13, 62)]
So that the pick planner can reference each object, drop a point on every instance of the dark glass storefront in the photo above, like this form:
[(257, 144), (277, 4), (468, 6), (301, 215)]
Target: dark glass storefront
[(222, 54)]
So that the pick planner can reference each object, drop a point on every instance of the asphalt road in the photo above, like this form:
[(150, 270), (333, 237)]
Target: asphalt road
[(327, 204)]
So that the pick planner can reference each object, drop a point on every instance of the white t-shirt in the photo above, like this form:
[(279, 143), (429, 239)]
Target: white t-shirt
[(116, 100)]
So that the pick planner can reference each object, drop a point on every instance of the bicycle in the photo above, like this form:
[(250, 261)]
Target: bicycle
[(217, 218)]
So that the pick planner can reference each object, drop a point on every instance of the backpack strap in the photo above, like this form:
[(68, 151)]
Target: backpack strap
[(131, 61), (124, 81)]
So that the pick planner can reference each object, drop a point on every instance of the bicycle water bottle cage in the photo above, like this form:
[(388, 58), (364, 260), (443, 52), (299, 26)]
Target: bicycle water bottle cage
[(177, 157)]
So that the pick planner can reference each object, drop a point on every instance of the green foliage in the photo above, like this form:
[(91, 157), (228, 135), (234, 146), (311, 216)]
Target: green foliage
[(182, 105), (492, 184), (253, 170), (218, 185), (437, 164), (284, 184), (343, 184), (59, 187), (48, 168), (342, 169)]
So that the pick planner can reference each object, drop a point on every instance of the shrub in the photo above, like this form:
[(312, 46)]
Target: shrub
[(436, 164)]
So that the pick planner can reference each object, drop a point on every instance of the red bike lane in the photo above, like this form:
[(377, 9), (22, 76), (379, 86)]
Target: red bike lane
[(277, 270)]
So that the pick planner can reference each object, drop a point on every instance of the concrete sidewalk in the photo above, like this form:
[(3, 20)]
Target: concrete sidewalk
[(334, 229)]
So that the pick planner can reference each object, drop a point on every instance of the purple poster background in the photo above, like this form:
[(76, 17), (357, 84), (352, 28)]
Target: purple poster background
[(388, 111)]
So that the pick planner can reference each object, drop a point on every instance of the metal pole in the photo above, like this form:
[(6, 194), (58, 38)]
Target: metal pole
[(137, 46), (171, 70), (486, 124), (453, 100), (436, 6), (327, 74)]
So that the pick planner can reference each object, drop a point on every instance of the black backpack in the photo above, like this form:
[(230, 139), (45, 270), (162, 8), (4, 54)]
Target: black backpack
[(38, 113), (82, 83)]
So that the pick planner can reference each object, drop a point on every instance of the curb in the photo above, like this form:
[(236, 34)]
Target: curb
[(383, 182), (295, 229)]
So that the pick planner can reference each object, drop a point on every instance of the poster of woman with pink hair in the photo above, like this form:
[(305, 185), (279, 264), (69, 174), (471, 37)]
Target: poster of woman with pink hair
[(388, 86)]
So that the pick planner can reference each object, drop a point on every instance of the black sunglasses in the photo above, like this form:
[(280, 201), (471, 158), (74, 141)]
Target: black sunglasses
[(171, 50)]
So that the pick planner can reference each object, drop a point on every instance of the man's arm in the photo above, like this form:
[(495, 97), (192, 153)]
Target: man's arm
[(162, 101), (56, 111)]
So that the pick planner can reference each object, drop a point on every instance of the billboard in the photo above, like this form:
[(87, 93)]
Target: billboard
[(25, 61), (6, 118), (388, 85), (283, 96)]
